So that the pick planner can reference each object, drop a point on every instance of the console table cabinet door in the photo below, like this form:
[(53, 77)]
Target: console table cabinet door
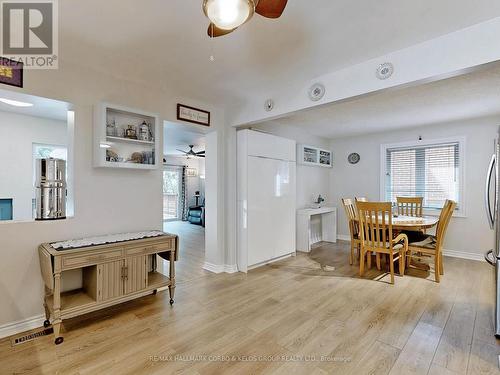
[(135, 274), (110, 280)]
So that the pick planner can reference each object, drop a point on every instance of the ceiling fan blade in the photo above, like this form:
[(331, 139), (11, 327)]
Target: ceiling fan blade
[(184, 152), (270, 8), (200, 156), (214, 32), (199, 153)]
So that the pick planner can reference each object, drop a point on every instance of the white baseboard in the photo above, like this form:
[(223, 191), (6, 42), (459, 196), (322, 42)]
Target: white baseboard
[(230, 268), (271, 261), (448, 253), (464, 255), (220, 268), (14, 328)]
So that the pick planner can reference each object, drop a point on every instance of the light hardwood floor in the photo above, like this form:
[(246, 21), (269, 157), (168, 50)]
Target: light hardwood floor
[(300, 308)]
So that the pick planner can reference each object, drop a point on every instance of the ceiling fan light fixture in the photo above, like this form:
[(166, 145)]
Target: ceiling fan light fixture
[(228, 14)]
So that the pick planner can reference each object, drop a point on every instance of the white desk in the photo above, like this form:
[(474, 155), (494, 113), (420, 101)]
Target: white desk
[(328, 217)]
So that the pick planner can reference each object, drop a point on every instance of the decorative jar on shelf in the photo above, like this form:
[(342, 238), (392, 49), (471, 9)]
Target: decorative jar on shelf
[(131, 132), (111, 130), (144, 132)]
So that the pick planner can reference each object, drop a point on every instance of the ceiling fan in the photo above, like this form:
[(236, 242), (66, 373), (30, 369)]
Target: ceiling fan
[(227, 15), (191, 153)]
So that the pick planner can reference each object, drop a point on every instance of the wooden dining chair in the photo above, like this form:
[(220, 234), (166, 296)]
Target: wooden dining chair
[(410, 206), (375, 221), (352, 217), (433, 245)]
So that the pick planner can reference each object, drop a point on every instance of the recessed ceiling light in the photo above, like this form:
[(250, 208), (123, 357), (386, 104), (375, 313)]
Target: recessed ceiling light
[(15, 103)]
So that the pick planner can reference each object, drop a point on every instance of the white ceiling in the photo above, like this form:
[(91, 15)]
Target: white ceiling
[(175, 137), (164, 43), (468, 96), (42, 107)]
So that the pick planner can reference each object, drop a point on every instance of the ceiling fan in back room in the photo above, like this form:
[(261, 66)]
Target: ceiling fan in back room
[(227, 15), (191, 153)]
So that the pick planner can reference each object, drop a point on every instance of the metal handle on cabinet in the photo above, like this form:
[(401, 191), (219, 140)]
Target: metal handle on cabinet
[(124, 272), (487, 203)]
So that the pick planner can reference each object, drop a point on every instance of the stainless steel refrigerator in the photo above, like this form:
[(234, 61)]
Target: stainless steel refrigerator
[(492, 203)]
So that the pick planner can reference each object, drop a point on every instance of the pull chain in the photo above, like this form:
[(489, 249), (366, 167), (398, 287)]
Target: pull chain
[(212, 41)]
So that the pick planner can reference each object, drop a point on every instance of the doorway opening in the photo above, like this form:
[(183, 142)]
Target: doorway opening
[(184, 193)]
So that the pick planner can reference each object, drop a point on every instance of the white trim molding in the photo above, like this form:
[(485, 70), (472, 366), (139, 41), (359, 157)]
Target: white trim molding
[(220, 268), (14, 328), (464, 255), (462, 143), (343, 237)]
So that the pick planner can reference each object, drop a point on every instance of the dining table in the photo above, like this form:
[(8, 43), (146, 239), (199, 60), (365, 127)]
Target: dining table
[(402, 222), (411, 223)]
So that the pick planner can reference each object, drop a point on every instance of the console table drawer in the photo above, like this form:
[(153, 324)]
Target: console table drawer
[(157, 248), (81, 260), (167, 245)]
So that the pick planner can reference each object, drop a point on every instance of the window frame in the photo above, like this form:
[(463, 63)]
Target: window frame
[(462, 143)]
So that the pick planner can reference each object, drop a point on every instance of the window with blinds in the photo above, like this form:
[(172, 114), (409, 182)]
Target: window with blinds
[(429, 171)]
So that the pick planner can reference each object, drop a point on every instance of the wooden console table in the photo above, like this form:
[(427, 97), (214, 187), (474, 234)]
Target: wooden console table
[(111, 274)]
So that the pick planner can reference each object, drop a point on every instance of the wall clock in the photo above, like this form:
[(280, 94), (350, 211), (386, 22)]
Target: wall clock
[(353, 158), (316, 92)]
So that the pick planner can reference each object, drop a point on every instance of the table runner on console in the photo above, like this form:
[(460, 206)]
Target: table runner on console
[(102, 240)]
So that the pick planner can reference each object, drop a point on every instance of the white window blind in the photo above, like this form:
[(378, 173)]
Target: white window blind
[(429, 171)]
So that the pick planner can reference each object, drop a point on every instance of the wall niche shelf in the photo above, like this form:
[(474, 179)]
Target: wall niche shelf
[(114, 147), (314, 156), (128, 140)]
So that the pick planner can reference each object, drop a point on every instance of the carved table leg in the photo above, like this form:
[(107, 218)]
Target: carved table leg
[(46, 323), (57, 309), (171, 287)]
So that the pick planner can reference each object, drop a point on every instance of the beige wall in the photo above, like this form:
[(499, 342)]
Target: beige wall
[(470, 234), (106, 200)]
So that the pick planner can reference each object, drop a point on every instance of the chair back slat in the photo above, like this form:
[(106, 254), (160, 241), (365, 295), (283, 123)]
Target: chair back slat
[(444, 220), (375, 224), (352, 216), (410, 206)]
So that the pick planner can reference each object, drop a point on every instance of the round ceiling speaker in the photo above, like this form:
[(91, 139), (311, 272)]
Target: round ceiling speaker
[(316, 92), (385, 70)]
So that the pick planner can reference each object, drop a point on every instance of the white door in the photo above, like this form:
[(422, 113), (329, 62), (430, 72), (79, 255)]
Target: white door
[(271, 209)]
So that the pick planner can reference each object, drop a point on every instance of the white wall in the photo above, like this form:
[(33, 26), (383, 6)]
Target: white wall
[(193, 183), (106, 200), (470, 234), (17, 135), (311, 181)]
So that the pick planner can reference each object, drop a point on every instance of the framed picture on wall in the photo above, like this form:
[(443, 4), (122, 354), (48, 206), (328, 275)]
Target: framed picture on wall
[(194, 115), (11, 72), (191, 172)]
